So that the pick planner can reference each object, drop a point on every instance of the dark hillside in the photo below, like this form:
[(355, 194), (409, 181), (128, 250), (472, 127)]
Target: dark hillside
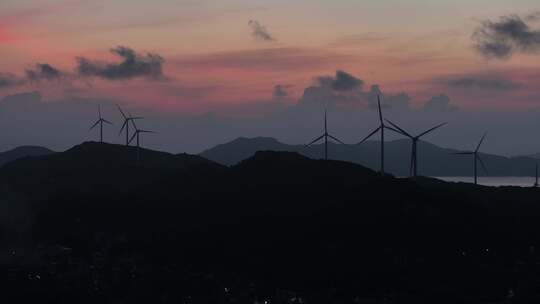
[(277, 220)]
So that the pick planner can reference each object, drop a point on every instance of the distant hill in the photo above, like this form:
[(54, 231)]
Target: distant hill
[(233, 152), (93, 166), (22, 151), (535, 156), (433, 160)]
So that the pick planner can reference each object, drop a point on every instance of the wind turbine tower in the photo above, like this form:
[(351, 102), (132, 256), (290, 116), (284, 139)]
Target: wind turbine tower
[(380, 128), (125, 125), (536, 177), (325, 136), (477, 158), (414, 146), (100, 122), (136, 136)]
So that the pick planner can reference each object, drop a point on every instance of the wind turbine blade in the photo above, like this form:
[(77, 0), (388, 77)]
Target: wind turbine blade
[(403, 132), (334, 138), (431, 130), (123, 126), (106, 121), (122, 112), (133, 123), (463, 153), (315, 140), (392, 129), (99, 110), (480, 143), (370, 134), (133, 117), (482, 164), (146, 131), (133, 137), (94, 125), (380, 111)]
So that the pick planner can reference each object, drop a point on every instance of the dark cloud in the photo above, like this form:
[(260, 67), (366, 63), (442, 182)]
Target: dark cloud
[(317, 95), (395, 101), (505, 37), (400, 100), (343, 89), (342, 81), (133, 65), (281, 91), (481, 82), (259, 31), (374, 94), (43, 71), (439, 103), (347, 90), (9, 80)]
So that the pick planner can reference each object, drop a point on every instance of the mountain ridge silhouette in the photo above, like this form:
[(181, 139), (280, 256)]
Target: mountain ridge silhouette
[(22, 152), (433, 160), (276, 218)]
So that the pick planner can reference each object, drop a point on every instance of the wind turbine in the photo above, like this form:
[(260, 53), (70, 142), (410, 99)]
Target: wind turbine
[(381, 128), (325, 135), (415, 139), (100, 122), (125, 125), (136, 135), (477, 158), (536, 177)]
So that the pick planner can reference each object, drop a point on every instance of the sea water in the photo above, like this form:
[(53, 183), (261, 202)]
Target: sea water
[(526, 181)]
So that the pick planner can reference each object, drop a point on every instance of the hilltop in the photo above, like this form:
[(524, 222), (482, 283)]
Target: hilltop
[(91, 165), (21, 152)]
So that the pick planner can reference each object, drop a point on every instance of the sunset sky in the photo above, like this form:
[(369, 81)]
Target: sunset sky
[(241, 59)]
